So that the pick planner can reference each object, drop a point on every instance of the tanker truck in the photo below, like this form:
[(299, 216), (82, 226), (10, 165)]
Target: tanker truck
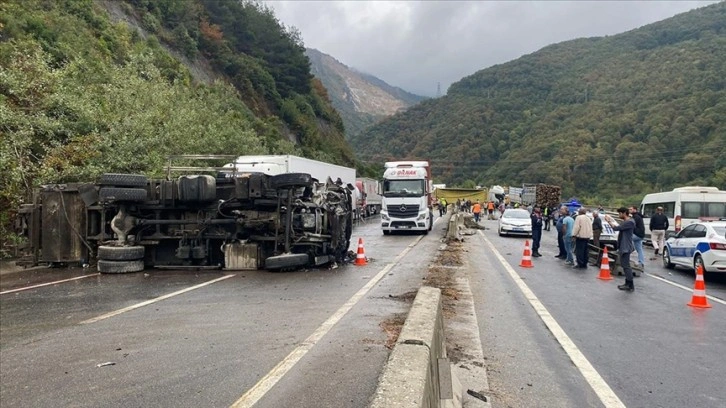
[(407, 202)]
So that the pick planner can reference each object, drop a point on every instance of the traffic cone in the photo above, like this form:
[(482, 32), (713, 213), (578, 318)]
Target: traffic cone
[(526, 257), (605, 266), (361, 259), (699, 291)]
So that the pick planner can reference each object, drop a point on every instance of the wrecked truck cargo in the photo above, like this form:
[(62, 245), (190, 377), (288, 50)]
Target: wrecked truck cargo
[(125, 222)]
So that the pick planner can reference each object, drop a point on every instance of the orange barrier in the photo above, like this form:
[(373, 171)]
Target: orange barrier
[(605, 266), (699, 291), (360, 258), (526, 257)]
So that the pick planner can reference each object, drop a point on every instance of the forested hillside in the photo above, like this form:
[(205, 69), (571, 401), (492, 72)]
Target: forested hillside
[(83, 94), (612, 117), (361, 99)]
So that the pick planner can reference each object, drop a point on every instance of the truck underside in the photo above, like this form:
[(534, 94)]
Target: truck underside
[(125, 222)]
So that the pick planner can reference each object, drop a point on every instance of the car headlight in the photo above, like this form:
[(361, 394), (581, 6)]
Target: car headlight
[(505, 223)]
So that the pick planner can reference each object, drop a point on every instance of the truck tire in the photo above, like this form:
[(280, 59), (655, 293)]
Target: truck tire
[(112, 194), (114, 253), (123, 180), (105, 266), (291, 180)]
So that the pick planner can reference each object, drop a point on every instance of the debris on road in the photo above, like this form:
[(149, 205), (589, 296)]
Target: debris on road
[(109, 363)]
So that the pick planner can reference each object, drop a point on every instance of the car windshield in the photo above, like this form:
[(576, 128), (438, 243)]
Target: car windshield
[(516, 214)]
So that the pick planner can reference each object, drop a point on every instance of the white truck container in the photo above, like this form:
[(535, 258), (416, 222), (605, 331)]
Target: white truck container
[(279, 164), (407, 201), (370, 199)]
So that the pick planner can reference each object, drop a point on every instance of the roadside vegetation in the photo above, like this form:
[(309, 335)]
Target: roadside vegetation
[(608, 119), (82, 94)]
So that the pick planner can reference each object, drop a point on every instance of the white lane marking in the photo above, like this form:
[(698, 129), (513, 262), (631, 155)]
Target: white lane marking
[(678, 285), (48, 284), (602, 389), (254, 394), (158, 299)]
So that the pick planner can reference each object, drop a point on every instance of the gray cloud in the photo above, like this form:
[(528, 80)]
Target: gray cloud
[(416, 44)]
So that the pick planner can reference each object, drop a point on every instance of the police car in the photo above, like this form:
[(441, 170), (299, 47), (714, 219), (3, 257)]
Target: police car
[(701, 243), (608, 236)]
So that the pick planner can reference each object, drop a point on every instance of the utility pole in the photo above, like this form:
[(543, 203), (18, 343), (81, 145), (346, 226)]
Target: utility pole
[(438, 90)]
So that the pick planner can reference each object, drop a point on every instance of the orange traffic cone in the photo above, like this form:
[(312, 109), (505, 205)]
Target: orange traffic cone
[(526, 257), (699, 291), (361, 259), (605, 266)]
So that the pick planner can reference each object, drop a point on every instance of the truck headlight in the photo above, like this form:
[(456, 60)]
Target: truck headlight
[(421, 216), (385, 216)]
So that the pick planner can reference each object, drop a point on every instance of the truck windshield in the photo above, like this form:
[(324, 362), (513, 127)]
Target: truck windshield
[(403, 188)]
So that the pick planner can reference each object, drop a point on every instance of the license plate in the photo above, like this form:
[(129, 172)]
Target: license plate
[(519, 229)]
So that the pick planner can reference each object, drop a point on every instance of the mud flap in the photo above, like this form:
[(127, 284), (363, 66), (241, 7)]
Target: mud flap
[(286, 261)]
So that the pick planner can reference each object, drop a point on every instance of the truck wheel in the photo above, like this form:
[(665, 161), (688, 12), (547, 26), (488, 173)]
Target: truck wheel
[(113, 253), (291, 180), (112, 194), (123, 180), (120, 266)]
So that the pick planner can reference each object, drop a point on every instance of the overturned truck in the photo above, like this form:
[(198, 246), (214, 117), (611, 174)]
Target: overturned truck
[(125, 222)]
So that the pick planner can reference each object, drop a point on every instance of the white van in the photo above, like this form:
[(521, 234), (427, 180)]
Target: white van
[(683, 206)]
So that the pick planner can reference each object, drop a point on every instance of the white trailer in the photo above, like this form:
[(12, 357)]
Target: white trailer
[(370, 200), (279, 164)]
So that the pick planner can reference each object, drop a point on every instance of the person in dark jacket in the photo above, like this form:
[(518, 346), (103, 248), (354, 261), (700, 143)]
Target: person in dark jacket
[(536, 218), (625, 244), (658, 227), (596, 228), (638, 234), (562, 254)]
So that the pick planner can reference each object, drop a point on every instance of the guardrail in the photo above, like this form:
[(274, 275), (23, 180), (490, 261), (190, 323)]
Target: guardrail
[(417, 373)]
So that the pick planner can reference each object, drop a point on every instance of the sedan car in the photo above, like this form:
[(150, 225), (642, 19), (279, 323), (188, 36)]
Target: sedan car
[(515, 222), (701, 243)]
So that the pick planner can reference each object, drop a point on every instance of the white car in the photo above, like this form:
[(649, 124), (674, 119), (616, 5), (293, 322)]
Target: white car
[(700, 243), (515, 222), (608, 236)]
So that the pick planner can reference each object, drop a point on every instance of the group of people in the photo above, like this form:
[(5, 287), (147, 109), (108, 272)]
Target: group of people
[(574, 232)]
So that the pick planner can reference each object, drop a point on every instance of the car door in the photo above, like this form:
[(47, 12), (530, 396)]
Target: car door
[(697, 236), (680, 244)]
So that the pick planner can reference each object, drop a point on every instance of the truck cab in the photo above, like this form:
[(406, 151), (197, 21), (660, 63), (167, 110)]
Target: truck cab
[(406, 203)]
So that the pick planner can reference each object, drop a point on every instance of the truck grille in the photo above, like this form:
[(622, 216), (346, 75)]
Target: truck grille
[(403, 210)]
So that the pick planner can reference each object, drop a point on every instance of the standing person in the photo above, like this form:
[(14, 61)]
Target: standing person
[(596, 228), (638, 234), (658, 228), (581, 232), (625, 244), (477, 211), (546, 216), (536, 218), (490, 210), (560, 234), (568, 224)]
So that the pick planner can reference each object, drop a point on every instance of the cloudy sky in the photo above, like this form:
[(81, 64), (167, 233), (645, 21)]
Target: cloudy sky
[(417, 44)]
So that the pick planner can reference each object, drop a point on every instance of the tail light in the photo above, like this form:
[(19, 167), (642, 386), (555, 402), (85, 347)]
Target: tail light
[(678, 223), (716, 245)]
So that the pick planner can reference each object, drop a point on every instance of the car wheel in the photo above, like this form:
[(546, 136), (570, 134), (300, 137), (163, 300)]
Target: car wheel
[(112, 253), (667, 259), (120, 266), (698, 261), (123, 180), (288, 180), (112, 194)]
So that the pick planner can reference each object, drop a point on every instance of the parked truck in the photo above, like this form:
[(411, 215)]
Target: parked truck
[(370, 199), (407, 203), (245, 215), (543, 195)]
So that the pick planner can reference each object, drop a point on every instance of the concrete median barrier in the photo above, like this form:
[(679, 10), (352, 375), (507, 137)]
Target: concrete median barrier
[(417, 373)]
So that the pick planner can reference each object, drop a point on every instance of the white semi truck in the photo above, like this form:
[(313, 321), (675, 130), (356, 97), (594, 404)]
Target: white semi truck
[(407, 202)]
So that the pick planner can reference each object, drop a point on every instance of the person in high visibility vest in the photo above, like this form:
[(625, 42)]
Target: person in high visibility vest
[(490, 209), (476, 209)]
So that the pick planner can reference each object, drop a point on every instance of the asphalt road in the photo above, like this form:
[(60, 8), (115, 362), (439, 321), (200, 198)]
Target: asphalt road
[(648, 347), (317, 338), (309, 338)]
